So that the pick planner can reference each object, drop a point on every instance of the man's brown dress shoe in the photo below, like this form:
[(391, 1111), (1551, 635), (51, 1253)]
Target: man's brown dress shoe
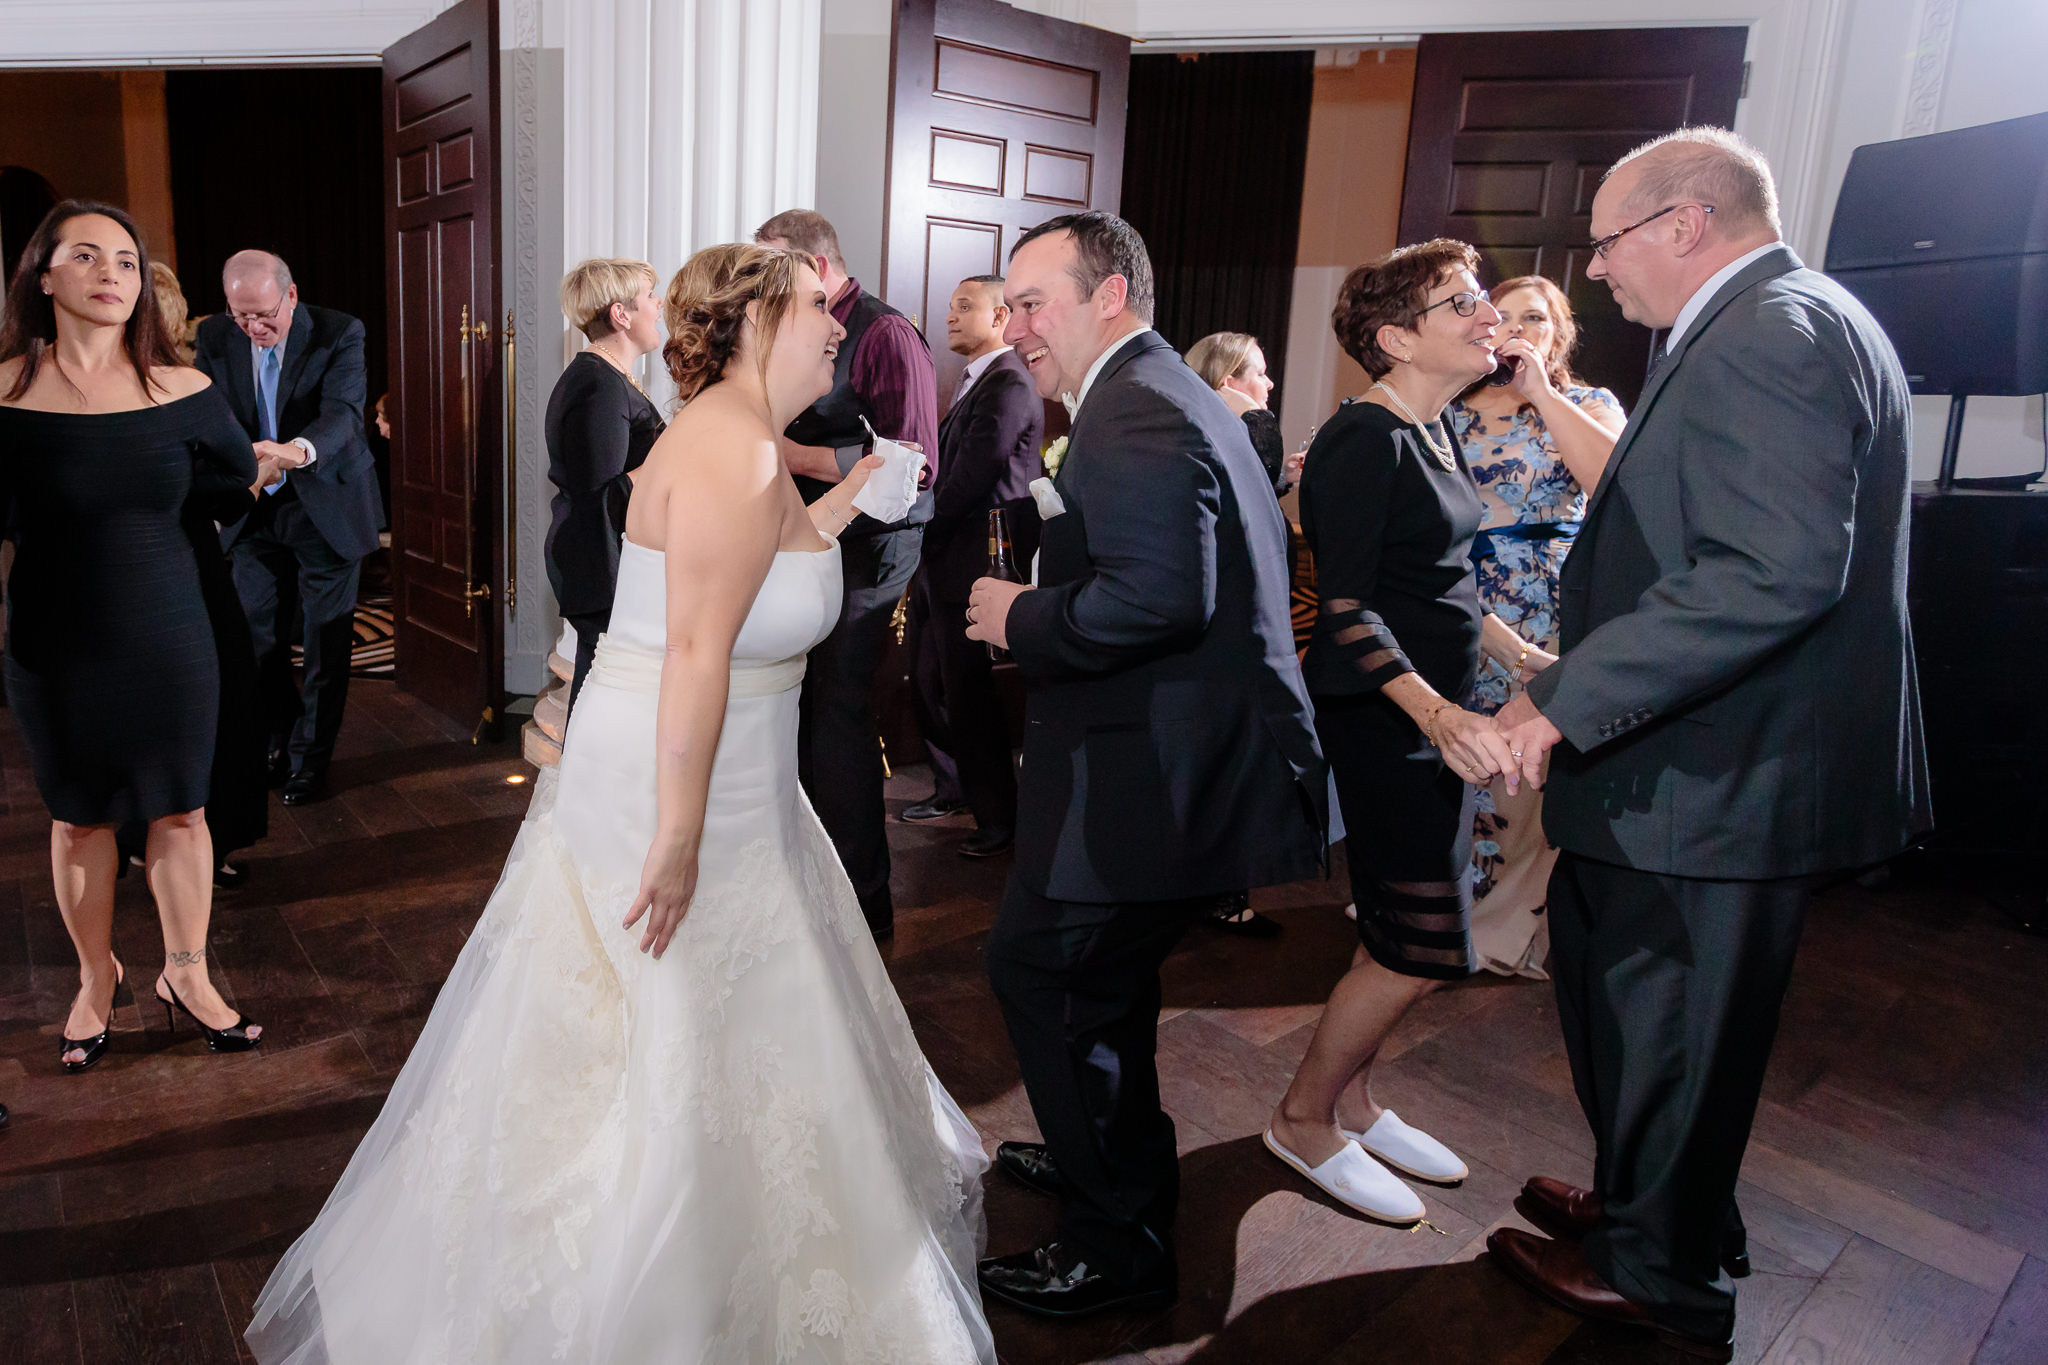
[(1568, 1213), (1558, 1271)]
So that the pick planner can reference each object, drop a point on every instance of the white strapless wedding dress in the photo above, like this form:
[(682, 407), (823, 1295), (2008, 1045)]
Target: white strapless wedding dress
[(736, 1153)]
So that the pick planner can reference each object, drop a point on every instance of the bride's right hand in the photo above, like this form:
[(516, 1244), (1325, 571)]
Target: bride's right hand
[(668, 882), (857, 477)]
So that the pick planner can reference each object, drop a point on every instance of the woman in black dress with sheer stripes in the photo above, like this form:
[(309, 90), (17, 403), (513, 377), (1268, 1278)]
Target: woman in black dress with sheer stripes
[(1389, 511), (110, 665)]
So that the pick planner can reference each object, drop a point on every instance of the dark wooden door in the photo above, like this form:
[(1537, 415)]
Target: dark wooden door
[(998, 120), (442, 252), (1511, 132)]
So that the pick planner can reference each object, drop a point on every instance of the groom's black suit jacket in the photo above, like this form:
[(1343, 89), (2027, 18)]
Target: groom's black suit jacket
[(1169, 748), (1737, 685)]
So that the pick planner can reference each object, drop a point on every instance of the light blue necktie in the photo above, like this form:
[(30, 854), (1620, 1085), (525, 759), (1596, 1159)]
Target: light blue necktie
[(266, 405)]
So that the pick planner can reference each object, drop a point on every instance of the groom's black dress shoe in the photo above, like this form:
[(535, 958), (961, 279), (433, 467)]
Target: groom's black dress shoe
[(1028, 1165), (306, 786), (933, 808), (1053, 1282)]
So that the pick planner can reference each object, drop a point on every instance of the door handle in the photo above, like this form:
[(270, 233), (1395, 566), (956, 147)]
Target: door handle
[(511, 493), (472, 591)]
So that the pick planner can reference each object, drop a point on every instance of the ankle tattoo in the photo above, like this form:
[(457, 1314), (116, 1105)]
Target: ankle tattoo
[(191, 959)]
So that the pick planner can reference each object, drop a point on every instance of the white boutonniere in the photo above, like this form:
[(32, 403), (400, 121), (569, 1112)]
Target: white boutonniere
[(1053, 454)]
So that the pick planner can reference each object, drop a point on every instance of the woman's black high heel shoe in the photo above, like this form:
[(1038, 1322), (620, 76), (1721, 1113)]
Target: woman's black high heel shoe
[(95, 1047), (234, 1038)]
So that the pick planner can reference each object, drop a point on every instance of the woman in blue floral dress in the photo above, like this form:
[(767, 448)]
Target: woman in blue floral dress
[(1535, 445)]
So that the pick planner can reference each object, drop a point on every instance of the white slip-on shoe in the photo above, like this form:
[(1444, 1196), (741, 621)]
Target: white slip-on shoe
[(1410, 1150), (1358, 1182)]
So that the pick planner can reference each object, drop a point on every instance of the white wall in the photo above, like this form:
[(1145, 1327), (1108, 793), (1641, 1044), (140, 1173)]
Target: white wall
[(853, 130)]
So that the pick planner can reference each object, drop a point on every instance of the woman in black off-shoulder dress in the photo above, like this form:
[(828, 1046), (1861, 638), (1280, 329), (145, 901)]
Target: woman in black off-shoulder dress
[(110, 665)]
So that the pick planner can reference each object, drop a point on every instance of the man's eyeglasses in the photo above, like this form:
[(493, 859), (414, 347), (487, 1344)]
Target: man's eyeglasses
[(1606, 244), (1464, 303), (244, 319)]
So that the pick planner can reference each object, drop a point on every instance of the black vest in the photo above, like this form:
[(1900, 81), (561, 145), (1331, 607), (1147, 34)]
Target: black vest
[(836, 420)]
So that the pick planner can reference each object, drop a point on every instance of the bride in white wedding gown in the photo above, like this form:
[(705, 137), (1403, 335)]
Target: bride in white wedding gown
[(612, 1146)]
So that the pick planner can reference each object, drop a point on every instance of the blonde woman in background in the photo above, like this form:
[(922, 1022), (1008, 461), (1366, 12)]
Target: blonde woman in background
[(1536, 439), (600, 426), (170, 301), (1233, 364)]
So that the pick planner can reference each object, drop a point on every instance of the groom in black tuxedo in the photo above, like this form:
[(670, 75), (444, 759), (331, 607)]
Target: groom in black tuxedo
[(1169, 754)]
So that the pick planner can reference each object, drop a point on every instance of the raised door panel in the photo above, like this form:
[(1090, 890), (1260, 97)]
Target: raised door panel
[(1000, 120), (1511, 133)]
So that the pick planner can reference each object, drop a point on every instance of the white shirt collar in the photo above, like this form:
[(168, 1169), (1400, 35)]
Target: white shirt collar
[(1705, 293), (1088, 380), (256, 354), (978, 366)]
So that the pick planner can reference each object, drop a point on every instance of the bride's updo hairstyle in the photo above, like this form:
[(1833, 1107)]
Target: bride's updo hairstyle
[(706, 309)]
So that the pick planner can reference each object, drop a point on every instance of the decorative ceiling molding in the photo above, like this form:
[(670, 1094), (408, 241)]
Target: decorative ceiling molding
[(1922, 112)]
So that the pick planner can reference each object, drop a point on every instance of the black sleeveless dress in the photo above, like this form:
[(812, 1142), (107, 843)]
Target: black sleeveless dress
[(110, 666)]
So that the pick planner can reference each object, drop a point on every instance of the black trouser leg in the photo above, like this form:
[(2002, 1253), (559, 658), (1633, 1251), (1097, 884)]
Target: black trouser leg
[(980, 730), (327, 596), (267, 581), (588, 626), (839, 751), (1669, 990), (928, 694), (1079, 989)]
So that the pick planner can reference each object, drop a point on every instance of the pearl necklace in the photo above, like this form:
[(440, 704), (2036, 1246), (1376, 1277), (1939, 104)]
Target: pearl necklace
[(1443, 452), (613, 361)]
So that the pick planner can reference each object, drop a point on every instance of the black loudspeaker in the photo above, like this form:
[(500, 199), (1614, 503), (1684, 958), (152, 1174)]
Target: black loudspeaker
[(1978, 591), (1945, 239)]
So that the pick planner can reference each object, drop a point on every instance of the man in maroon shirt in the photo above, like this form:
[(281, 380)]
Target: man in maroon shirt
[(884, 375)]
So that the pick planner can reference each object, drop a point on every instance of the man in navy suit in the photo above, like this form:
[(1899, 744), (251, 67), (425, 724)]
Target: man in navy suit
[(988, 456), (295, 377), (1169, 751)]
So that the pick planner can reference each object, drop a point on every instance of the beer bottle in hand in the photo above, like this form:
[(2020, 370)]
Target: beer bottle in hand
[(1002, 562)]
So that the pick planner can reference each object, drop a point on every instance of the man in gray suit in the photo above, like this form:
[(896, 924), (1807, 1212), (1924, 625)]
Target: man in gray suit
[(1734, 718)]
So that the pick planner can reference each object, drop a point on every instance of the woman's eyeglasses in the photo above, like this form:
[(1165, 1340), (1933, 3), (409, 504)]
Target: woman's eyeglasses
[(1464, 303)]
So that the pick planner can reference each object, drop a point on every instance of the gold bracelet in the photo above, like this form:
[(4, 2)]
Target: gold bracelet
[(1522, 659), (1429, 723)]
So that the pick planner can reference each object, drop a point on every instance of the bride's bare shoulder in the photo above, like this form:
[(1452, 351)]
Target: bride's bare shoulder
[(722, 443)]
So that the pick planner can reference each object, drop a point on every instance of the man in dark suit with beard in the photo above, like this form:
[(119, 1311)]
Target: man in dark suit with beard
[(1169, 754), (294, 375), (1734, 715), (988, 456)]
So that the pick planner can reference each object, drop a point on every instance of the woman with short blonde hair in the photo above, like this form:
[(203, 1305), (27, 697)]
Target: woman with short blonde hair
[(596, 287), (1234, 364), (600, 426)]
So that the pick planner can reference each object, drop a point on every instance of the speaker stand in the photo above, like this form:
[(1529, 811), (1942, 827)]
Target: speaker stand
[(1952, 443)]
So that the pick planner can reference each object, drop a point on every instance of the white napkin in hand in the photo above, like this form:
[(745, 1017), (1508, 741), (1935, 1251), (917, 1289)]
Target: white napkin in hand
[(890, 490), (1047, 497)]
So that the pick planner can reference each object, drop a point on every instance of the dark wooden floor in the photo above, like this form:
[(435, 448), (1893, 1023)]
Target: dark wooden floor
[(1897, 1189)]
